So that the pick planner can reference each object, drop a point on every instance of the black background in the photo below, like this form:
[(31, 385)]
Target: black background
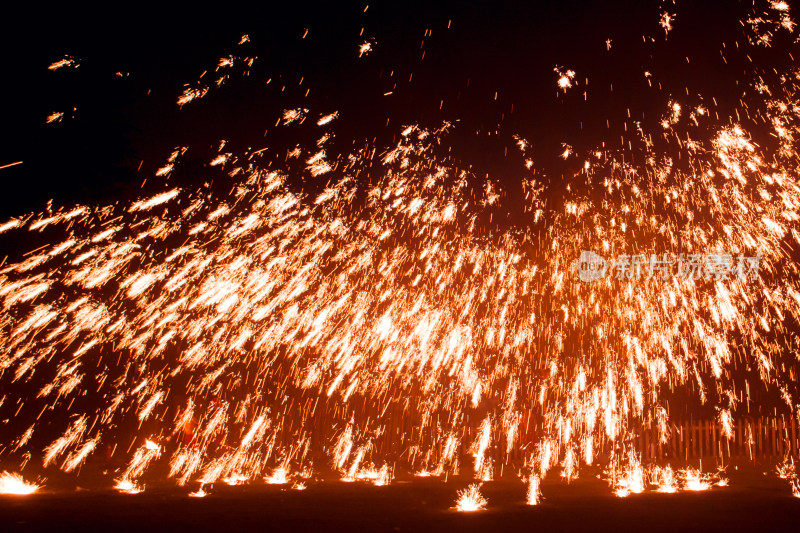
[(117, 131)]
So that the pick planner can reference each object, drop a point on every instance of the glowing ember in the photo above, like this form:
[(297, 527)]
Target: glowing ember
[(64, 63), (631, 480), (55, 117), (364, 49), (278, 477), (788, 471), (128, 487), (470, 499), (235, 479), (664, 479), (565, 78), (694, 480), (534, 494), (382, 477), (11, 483)]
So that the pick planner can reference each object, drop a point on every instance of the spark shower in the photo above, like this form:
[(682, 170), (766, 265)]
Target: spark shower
[(370, 318)]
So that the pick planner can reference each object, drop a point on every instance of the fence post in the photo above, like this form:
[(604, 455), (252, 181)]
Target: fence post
[(759, 440), (673, 431), (685, 438), (714, 444)]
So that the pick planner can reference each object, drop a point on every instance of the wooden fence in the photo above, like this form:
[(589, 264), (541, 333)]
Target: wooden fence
[(750, 438)]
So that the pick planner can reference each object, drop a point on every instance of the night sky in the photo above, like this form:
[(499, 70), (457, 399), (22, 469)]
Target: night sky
[(491, 73)]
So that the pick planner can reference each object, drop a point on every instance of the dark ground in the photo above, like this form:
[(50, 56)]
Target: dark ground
[(756, 503)]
